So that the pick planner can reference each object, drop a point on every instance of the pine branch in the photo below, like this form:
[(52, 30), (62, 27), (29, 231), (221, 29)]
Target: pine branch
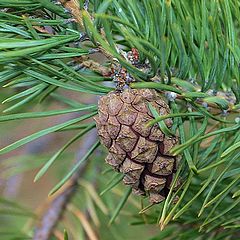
[(190, 50), (56, 209)]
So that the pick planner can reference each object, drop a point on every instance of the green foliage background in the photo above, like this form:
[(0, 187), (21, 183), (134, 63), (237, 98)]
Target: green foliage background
[(193, 49)]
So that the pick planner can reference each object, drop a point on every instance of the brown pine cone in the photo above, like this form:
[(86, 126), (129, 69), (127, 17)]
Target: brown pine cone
[(141, 152)]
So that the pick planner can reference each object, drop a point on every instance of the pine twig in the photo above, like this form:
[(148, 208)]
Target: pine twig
[(58, 205), (73, 7)]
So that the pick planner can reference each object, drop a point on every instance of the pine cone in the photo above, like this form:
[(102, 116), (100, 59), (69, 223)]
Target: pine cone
[(140, 152)]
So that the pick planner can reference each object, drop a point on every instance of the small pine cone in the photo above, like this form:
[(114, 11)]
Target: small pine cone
[(139, 151)]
